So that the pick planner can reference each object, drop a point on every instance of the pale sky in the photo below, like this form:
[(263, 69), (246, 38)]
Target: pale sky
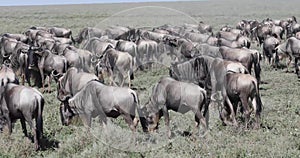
[(47, 2)]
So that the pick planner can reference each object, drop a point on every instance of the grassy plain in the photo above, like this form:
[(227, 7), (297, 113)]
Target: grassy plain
[(280, 132)]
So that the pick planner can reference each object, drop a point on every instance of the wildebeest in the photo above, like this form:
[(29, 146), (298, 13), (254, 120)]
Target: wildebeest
[(7, 75), (47, 62), (245, 56), (242, 88), (18, 37), (169, 94), (212, 72), (116, 63), (60, 32), (68, 85), (291, 48), (206, 49), (88, 33), (185, 47), (131, 48), (261, 32), (96, 46), (96, 99), (269, 46), (147, 51), (24, 103)]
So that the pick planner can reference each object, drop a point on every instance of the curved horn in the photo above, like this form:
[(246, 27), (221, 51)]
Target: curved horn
[(55, 75), (214, 97), (5, 56), (93, 59), (65, 98), (6, 62)]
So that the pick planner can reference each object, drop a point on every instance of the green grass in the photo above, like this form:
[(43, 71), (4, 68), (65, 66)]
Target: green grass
[(279, 135)]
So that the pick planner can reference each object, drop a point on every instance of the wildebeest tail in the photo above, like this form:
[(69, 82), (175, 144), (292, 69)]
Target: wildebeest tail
[(206, 107), (142, 117), (256, 64), (65, 66), (39, 119), (71, 36), (131, 69), (258, 99)]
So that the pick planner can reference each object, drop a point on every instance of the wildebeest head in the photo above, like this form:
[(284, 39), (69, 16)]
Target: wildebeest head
[(174, 72), (3, 122), (66, 113), (152, 114), (100, 71), (32, 57)]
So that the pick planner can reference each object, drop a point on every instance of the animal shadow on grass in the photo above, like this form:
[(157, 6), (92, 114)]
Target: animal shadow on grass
[(46, 143)]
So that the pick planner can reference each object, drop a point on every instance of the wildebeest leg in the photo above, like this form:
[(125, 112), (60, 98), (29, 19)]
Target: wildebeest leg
[(247, 112), (49, 83), (86, 119), (257, 113), (129, 120), (232, 113), (111, 78), (23, 77), (129, 80), (167, 120), (200, 118), (8, 123), (27, 76), (288, 63), (24, 127), (296, 67), (121, 78), (34, 131), (43, 80)]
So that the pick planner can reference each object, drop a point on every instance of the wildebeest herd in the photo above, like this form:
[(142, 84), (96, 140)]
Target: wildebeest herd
[(93, 72)]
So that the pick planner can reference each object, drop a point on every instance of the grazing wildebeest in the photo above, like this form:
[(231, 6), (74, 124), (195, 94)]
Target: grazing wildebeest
[(118, 63), (68, 85), (269, 46), (241, 88), (212, 72), (24, 103), (291, 48), (96, 99), (170, 94), (47, 62)]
